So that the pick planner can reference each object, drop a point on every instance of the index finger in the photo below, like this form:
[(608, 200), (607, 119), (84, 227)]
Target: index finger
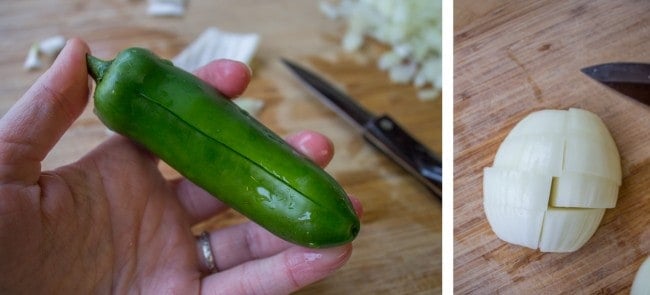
[(228, 76), (38, 120)]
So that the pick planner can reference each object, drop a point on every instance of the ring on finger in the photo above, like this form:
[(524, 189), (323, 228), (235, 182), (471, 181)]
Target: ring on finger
[(205, 252)]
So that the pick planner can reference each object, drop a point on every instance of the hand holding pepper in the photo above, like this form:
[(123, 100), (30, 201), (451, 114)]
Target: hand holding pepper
[(111, 223)]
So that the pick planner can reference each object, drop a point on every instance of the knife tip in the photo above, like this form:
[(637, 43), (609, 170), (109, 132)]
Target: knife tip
[(295, 68), (587, 69), (286, 62)]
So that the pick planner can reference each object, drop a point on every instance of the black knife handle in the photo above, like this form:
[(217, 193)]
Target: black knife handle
[(385, 134)]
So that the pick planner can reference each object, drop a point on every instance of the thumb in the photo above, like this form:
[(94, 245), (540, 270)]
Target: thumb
[(37, 121)]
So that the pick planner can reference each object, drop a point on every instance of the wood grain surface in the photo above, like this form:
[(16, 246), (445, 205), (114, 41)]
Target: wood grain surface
[(515, 57), (398, 250)]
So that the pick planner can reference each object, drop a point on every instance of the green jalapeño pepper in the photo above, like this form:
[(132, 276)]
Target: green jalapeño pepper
[(213, 143)]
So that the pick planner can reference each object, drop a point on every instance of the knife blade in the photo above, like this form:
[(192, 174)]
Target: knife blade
[(630, 79), (381, 131)]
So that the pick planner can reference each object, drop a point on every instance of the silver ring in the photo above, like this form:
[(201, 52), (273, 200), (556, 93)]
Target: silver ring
[(205, 252)]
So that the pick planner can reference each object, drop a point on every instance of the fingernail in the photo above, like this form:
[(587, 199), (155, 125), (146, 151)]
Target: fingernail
[(329, 257), (309, 257), (250, 70), (330, 254), (356, 203)]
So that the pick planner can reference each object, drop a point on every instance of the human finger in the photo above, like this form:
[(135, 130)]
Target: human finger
[(283, 273), (197, 202), (248, 241), (228, 76), (38, 120), (314, 145), (244, 242)]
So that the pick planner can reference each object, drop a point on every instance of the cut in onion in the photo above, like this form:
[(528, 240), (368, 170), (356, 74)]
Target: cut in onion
[(552, 179)]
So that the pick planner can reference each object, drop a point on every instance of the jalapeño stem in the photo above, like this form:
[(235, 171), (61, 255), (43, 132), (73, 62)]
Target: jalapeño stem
[(97, 67)]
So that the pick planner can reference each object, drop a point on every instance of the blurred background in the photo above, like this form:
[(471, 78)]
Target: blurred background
[(398, 250)]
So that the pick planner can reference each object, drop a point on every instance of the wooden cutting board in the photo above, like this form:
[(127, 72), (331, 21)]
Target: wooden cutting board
[(398, 250), (515, 57)]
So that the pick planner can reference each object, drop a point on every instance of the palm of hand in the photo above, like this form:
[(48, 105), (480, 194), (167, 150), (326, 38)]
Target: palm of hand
[(103, 219)]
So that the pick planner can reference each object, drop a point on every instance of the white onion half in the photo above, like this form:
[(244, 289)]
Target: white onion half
[(552, 179), (641, 284)]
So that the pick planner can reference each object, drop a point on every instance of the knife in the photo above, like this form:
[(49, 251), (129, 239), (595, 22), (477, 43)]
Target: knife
[(380, 131), (630, 79)]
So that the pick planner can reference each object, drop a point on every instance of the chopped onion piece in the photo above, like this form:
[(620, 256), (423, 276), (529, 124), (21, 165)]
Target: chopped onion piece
[(33, 61), (215, 44), (52, 46), (166, 7), (412, 29), (251, 105), (48, 47)]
